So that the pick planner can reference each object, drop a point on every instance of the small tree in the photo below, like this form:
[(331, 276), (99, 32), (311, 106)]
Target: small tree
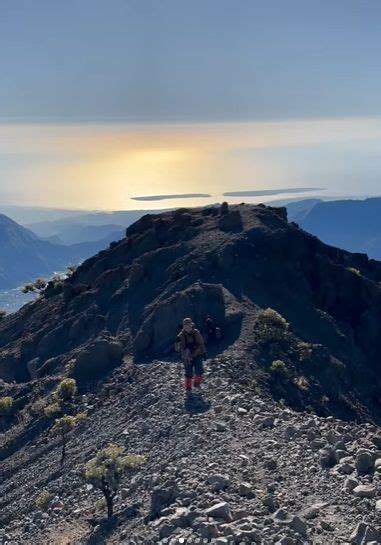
[(70, 270), (37, 286), (62, 426), (3, 314), (106, 469), (66, 390)]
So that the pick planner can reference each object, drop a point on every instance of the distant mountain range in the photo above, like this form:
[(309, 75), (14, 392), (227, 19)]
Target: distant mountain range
[(24, 256), (88, 227), (354, 225)]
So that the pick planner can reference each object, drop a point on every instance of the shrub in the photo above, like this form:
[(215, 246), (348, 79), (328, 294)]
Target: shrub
[(62, 426), (3, 314), (106, 469), (6, 404), (279, 368), (304, 351), (37, 286), (271, 326), (52, 410), (38, 407), (66, 390), (43, 500)]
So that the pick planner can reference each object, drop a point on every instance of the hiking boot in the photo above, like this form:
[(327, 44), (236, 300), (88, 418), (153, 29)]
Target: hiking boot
[(197, 382)]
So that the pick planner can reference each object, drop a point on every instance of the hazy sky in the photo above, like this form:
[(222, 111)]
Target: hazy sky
[(149, 96)]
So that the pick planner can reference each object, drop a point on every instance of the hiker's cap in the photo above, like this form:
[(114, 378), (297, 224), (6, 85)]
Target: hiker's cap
[(188, 321)]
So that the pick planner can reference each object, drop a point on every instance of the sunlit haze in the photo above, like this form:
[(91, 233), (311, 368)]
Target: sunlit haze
[(93, 166)]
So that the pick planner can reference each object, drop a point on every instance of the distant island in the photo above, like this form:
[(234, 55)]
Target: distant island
[(164, 197), (263, 192)]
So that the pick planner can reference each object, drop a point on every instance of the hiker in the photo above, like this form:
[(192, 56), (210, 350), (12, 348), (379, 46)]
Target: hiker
[(211, 332), (192, 349)]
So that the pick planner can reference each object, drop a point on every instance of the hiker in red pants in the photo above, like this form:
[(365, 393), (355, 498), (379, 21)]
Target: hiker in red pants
[(192, 349)]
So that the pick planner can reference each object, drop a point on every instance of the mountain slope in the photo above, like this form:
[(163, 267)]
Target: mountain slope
[(283, 476), (351, 224), (23, 256), (198, 262), (229, 445)]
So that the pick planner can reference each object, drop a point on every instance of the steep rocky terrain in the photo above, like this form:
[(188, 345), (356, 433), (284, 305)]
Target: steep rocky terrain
[(272, 437)]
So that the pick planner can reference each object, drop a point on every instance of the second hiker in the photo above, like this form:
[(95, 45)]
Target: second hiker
[(192, 349)]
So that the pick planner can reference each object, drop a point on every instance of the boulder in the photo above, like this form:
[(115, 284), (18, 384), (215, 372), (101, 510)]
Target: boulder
[(365, 491), (364, 461), (97, 359)]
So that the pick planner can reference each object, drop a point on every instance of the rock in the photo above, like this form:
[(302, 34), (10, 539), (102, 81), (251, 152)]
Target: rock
[(378, 505), (281, 514), (298, 525), (221, 426), (350, 484), (327, 457), (162, 497), (345, 468), (376, 440), (314, 510), (245, 489), (97, 360), (290, 432), (220, 511), (270, 464), (166, 530), (364, 461), (218, 482), (327, 526), (377, 464), (365, 491), (364, 534)]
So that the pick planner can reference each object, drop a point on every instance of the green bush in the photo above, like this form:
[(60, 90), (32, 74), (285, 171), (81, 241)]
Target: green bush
[(52, 410), (271, 326), (43, 500), (6, 404), (279, 368), (66, 390), (106, 469), (3, 314)]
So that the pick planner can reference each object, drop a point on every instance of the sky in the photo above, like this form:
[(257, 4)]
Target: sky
[(102, 101)]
